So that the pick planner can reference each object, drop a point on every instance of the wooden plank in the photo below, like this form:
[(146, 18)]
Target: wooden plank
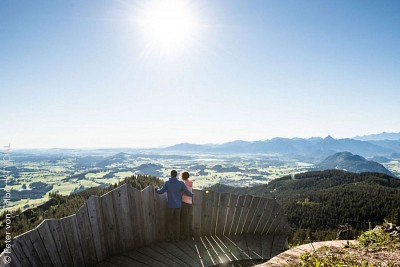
[(205, 255), (106, 264), (177, 261), (122, 216), (237, 243), (90, 231), (221, 249), (197, 209), (160, 211), (266, 211), (216, 254), (14, 261), (187, 246), (207, 211), (223, 208), (135, 205), (60, 242), (231, 214), (18, 250), (270, 213), (231, 247), (256, 216), (266, 246), (49, 243), (110, 226), (39, 247), (137, 256), (28, 248), (149, 252), (124, 261), (176, 251), (69, 226), (214, 212), (148, 215), (244, 213), (279, 245), (253, 209), (254, 245)]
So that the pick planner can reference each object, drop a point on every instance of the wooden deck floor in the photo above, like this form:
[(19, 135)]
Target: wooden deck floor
[(201, 252)]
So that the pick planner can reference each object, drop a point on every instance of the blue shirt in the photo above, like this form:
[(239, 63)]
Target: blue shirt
[(174, 189)]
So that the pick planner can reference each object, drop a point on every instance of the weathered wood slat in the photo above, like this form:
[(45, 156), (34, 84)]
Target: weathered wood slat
[(148, 215), (223, 207), (177, 261), (250, 216), (14, 259), (241, 244), (39, 247), (197, 211), (176, 251), (135, 205), (60, 242), (70, 229), (214, 212), (230, 217), (148, 252), (90, 231), (49, 243), (110, 226), (189, 249), (265, 210), (23, 259), (223, 255), (160, 211), (254, 246), (270, 213), (266, 243), (255, 215), (122, 215), (124, 261), (244, 213), (28, 249), (279, 245), (235, 251), (207, 206), (137, 256), (206, 255)]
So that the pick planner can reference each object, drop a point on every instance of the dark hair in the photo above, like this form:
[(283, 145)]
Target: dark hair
[(185, 175), (174, 173)]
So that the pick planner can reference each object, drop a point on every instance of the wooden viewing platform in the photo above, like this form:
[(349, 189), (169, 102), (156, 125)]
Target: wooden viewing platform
[(127, 227)]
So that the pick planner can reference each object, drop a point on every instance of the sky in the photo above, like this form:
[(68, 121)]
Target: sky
[(151, 73)]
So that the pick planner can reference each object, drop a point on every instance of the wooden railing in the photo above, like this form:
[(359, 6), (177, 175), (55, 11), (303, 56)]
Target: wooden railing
[(126, 218)]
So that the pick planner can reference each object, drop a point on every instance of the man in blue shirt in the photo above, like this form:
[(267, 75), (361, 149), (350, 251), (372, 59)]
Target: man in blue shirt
[(174, 189)]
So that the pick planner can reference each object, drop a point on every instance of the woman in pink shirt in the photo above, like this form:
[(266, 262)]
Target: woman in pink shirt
[(186, 210)]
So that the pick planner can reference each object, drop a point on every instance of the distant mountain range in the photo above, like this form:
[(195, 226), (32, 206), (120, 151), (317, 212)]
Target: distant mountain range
[(317, 147), (379, 137), (352, 163)]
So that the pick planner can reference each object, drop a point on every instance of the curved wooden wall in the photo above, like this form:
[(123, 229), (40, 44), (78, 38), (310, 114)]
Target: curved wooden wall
[(126, 218)]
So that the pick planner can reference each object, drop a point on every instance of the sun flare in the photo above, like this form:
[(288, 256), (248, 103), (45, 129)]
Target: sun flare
[(168, 26)]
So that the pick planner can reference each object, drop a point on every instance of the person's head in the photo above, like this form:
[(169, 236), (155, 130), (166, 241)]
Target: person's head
[(174, 173), (185, 175)]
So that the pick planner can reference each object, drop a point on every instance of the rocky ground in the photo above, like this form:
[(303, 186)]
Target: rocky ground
[(379, 256)]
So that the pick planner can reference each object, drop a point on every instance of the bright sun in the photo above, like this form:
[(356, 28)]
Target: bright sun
[(169, 26)]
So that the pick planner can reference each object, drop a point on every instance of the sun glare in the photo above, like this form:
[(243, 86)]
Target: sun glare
[(168, 26)]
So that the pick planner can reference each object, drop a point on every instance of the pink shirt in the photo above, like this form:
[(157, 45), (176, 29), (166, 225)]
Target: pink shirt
[(189, 186)]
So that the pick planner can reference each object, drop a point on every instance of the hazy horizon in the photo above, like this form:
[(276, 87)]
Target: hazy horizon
[(146, 74)]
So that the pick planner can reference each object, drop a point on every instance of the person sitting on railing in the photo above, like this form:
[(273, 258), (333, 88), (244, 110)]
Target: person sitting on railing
[(174, 189), (186, 210)]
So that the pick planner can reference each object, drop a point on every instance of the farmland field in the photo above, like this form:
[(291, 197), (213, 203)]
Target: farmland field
[(36, 173)]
